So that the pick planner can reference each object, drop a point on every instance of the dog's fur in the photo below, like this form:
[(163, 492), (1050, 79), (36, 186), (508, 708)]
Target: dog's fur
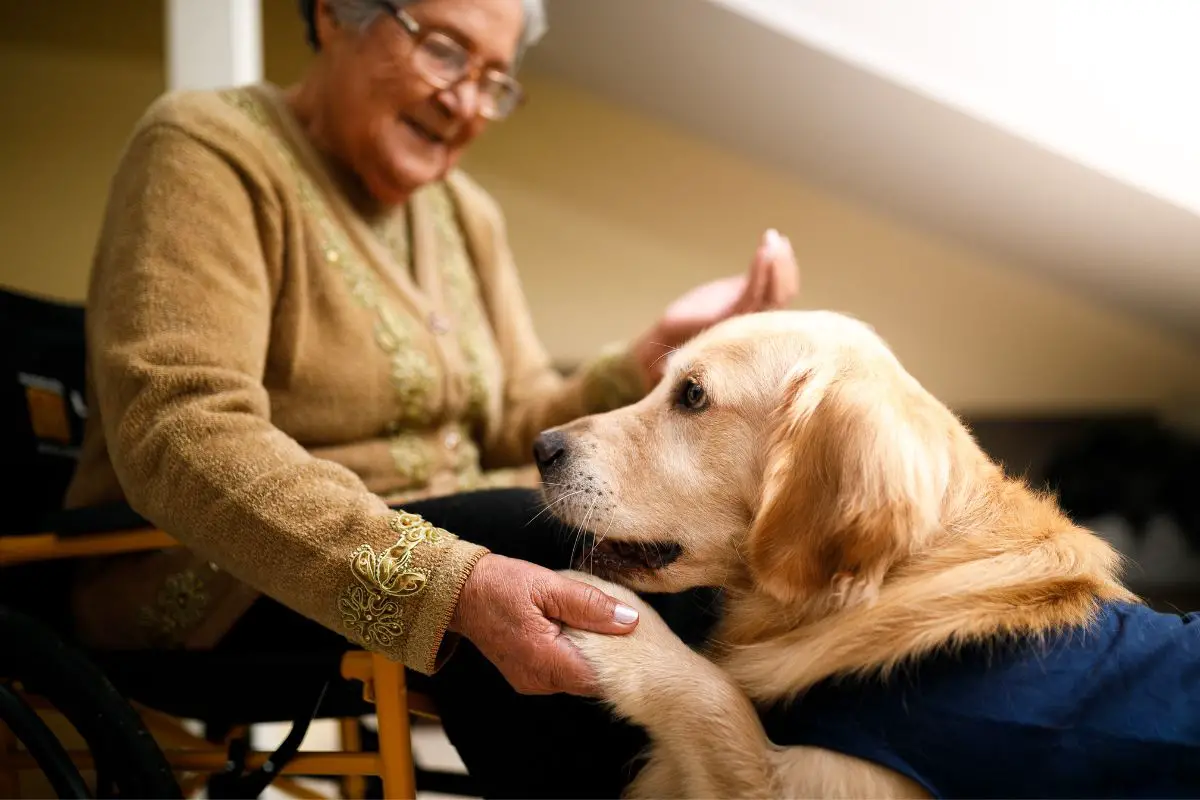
[(849, 515)]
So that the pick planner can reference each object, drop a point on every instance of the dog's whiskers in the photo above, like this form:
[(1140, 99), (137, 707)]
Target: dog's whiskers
[(580, 530), (667, 351), (583, 529), (592, 553), (549, 506)]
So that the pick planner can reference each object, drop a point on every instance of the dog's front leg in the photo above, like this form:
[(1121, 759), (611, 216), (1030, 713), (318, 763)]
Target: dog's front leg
[(706, 738)]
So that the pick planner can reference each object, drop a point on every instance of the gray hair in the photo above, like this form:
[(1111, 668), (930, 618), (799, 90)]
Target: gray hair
[(361, 13)]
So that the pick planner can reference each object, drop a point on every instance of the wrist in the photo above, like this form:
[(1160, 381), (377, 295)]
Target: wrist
[(460, 620)]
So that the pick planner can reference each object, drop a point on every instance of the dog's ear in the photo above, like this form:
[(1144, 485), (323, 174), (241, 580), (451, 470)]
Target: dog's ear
[(855, 476)]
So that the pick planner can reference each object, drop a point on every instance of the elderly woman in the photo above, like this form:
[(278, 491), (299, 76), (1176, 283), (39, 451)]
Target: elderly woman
[(311, 362)]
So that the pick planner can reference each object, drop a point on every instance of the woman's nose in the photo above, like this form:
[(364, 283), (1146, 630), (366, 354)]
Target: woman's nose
[(462, 99)]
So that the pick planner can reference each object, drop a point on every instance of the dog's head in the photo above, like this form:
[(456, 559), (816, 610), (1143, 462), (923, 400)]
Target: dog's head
[(786, 451)]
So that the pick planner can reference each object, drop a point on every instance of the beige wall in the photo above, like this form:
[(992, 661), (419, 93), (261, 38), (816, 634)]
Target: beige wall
[(610, 214)]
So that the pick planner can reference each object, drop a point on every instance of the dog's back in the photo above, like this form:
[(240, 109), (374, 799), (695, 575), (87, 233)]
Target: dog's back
[(1112, 709)]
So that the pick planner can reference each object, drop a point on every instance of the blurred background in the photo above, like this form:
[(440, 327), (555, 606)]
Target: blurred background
[(1008, 190)]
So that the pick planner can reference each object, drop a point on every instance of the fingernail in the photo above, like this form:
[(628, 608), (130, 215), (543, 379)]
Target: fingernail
[(776, 243), (625, 615)]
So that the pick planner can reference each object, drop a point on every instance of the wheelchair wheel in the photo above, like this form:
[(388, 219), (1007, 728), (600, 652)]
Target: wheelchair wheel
[(128, 761)]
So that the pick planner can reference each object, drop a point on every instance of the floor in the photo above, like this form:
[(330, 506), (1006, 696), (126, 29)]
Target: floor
[(431, 749)]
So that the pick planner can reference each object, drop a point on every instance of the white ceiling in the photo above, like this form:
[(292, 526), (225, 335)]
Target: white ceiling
[(1101, 81), (726, 71)]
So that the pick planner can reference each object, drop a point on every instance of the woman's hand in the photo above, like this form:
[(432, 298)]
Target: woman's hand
[(772, 281), (511, 610)]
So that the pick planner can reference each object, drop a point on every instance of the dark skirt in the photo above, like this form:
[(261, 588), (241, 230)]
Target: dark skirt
[(513, 745)]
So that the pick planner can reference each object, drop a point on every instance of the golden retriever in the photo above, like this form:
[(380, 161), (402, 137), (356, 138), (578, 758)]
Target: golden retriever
[(851, 519)]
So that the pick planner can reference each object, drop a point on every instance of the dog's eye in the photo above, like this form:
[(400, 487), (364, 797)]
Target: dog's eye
[(692, 395)]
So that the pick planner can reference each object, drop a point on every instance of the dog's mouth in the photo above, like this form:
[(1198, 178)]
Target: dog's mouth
[(616, 556)]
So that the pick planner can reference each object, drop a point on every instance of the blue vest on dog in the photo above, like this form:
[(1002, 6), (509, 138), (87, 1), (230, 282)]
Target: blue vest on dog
[(1108, 711)]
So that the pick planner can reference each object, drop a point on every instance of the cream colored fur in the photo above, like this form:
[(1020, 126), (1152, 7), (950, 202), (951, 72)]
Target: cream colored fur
[(853, 522)]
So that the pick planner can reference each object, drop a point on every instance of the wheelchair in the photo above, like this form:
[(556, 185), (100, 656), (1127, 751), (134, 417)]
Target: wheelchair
[(131, 740)]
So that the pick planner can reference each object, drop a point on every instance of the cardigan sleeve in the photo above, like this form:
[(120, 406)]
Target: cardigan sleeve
[(179, 325), (536, 396)]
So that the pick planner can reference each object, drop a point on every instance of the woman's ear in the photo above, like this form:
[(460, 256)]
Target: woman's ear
[(325, 22), (855, 477)]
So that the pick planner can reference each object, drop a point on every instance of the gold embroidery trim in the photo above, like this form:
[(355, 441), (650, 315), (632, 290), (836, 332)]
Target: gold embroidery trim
[(413, 456), (371, 607), (467, 466), (416, 455), (179, 605), (413, 375), (463, 293)]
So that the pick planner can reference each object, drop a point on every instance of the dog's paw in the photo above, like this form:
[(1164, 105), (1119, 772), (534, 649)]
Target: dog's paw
[(625, 671), (629, 666)]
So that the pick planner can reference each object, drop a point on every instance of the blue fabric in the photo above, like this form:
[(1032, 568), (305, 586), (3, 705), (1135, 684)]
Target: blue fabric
[(1108, 711)]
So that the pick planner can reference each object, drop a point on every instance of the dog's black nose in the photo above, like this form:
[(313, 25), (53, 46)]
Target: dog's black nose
[(548, 449)]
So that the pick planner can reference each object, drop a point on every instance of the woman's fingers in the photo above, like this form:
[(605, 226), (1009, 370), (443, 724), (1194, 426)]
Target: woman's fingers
[(786, 283), (759, 279)]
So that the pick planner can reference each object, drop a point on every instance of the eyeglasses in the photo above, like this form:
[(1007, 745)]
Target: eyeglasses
[(445, 62)]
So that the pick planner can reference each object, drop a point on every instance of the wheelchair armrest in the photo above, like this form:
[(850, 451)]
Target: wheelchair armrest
[(97, 531)]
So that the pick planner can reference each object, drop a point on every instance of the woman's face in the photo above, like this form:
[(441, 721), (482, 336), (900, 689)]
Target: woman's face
[(384, 118)]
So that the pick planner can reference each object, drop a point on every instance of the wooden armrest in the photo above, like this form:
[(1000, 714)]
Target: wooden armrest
[(51, 546), (359, 665)]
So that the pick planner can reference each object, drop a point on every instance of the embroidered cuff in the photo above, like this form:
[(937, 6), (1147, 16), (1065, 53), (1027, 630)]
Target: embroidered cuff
[(612, 380), (401, 598)]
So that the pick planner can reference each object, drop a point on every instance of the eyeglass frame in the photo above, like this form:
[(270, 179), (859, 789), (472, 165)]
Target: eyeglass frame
[(420, 33)]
